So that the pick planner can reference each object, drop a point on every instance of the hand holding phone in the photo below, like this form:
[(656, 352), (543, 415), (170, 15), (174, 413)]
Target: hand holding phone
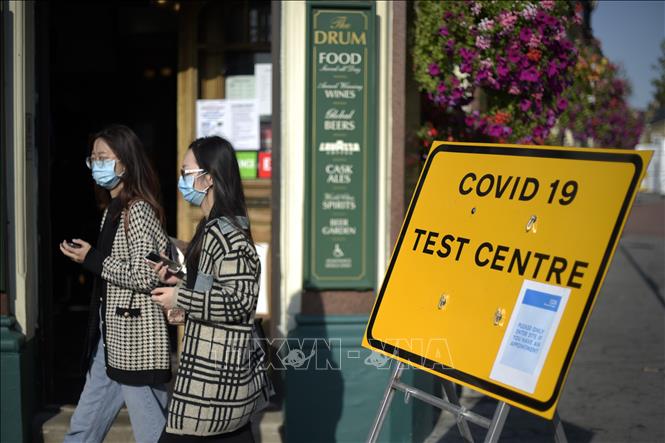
[(71, 244), (161, 262)]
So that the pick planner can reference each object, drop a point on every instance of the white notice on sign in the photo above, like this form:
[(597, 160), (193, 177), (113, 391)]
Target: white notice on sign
[(263, 82), (529, 335), (213, 118), (245, 125), (240, 87)]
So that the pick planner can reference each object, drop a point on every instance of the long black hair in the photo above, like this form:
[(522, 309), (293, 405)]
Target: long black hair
[(216, 156), (139, 180)]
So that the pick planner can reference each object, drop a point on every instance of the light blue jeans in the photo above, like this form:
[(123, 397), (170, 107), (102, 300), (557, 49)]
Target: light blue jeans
[(102, 399)]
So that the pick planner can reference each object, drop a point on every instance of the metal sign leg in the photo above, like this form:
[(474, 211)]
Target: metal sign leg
[(559, 432), (498, 421), (385, 403), (462, 425)]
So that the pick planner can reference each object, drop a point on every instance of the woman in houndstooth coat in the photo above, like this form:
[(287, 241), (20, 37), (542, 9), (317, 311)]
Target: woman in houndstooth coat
[(221, 379), (128, 345)]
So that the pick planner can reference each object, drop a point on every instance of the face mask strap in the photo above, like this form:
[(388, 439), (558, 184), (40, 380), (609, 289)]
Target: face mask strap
[(194, 182)]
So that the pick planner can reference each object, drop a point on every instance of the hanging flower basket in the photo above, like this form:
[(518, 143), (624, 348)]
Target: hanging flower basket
[(498, 67)]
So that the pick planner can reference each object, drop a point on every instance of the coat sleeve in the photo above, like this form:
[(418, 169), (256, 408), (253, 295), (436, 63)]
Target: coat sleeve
[(230, 294), (143, 234)]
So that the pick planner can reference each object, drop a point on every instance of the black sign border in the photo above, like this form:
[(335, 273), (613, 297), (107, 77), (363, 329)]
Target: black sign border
[(521, 151)]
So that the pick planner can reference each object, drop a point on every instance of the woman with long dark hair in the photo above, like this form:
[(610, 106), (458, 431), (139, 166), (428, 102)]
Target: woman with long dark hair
[(127, 352), (221, 379)]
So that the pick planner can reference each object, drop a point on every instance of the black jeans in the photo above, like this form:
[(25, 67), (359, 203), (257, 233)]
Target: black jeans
[(240, 435)]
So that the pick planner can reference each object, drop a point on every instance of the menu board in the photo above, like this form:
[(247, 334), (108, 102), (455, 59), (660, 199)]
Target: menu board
[(341, 147)]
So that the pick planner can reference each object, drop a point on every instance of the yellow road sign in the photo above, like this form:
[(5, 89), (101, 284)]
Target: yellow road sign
[(498, 264)]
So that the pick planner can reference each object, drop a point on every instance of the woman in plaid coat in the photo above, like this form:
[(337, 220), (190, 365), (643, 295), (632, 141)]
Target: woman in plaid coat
[(127, 357), (221, 379)]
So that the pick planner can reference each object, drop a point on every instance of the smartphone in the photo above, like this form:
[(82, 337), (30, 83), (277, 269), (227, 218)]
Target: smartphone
[(71, 244), (173, 267)]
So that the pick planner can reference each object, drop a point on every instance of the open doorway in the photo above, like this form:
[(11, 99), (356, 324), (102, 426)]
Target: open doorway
[(98, 63)]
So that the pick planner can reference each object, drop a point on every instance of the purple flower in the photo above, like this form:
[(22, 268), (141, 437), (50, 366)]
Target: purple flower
[(475, 8), (495, 130), (502, 70), (482, 42), (551, 118), (514, 54), (443, 31), (448, 15), (525, 105), (499, 131), (482, 75), (466, 67), (552, 69), (433, 69), (450, 47), (441, 88), (525, 34), (466, 54), (529, 75), (469, 121), (562, 104)]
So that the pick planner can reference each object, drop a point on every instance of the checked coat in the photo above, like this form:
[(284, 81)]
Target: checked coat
[(134, 331), (221, 379)]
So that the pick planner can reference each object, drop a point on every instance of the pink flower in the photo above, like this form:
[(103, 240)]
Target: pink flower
[(476, 7), (443, 31), (441, 88), (482, 42), (547, 4), (534, 41), (486, 24), (514, 89), (525, 105), (433, 69), (507, 20), (529, 12)]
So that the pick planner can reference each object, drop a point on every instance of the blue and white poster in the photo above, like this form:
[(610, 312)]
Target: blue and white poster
[(526, 343)]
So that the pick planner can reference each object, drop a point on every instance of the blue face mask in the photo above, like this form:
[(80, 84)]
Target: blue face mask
[(189, 193), (103, 171)]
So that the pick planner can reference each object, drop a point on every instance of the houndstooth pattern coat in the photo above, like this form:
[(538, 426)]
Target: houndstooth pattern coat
[(134, 328), (221, 378)]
